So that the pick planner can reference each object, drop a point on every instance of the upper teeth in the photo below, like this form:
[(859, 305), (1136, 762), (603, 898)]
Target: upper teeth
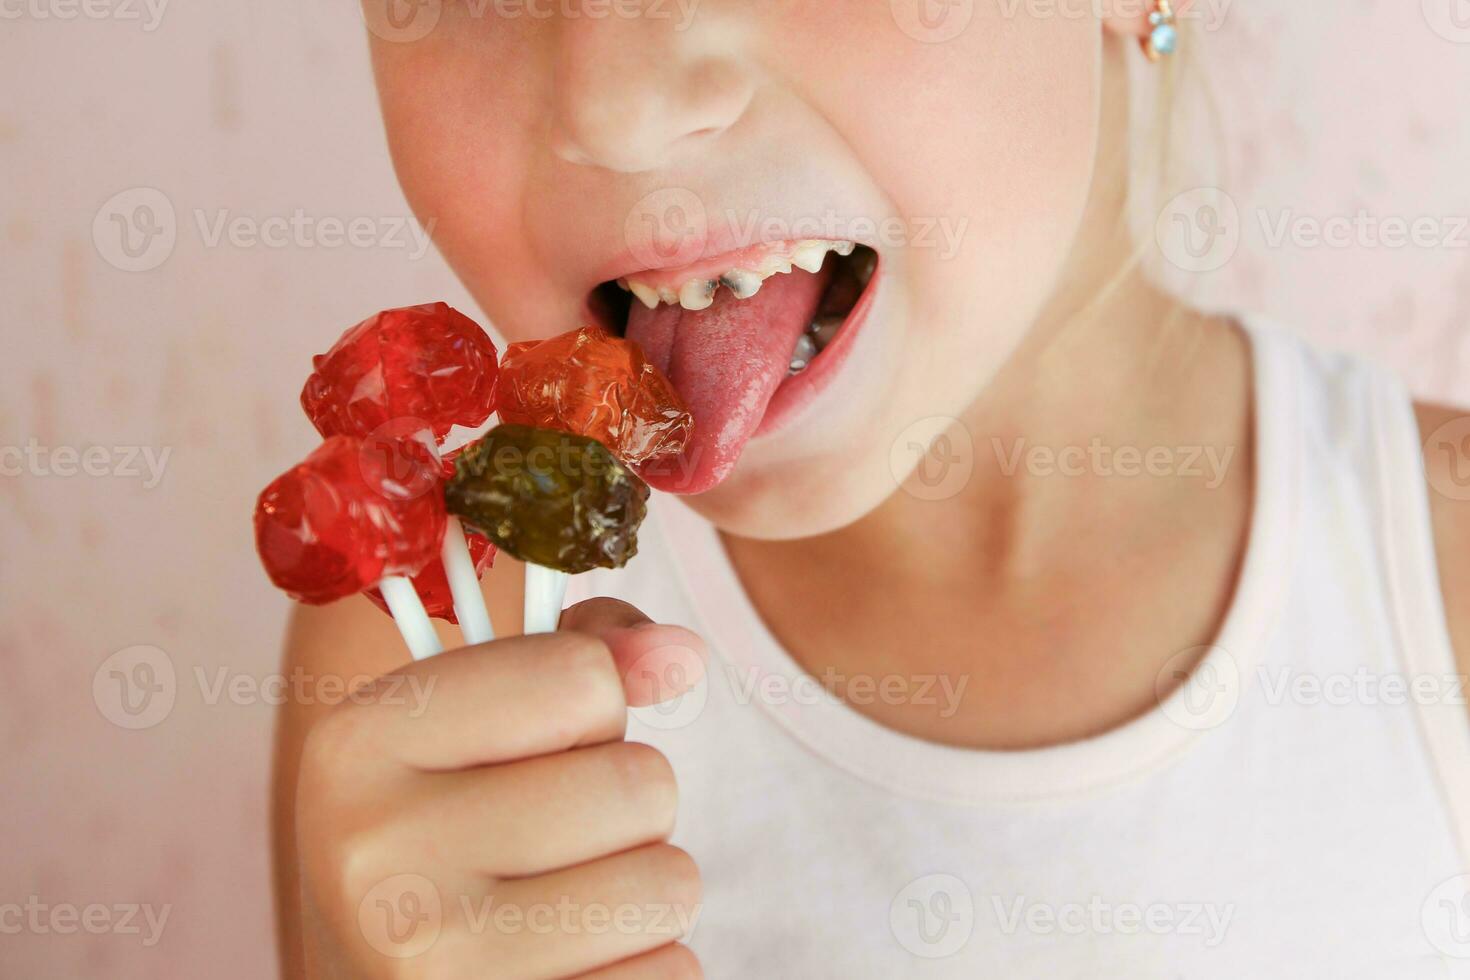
[(698, 294)]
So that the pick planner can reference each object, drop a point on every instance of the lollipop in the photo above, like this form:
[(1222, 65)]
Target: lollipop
[(591, 384), (597, 385), (404, 371), (558, 501), (352, 516)]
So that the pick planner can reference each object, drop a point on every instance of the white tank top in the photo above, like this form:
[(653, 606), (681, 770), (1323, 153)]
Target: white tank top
[(1299, 809)]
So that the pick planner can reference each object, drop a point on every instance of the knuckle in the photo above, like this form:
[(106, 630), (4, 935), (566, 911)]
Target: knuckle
[(334, 741), (359, 861), (680, 963), (646, 776), (678, 870), (589, 678)]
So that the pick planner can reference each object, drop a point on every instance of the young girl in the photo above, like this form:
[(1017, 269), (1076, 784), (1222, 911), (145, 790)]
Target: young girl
[(1025, 623)]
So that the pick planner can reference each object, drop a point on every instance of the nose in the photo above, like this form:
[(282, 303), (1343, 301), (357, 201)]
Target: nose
[(630, 91)]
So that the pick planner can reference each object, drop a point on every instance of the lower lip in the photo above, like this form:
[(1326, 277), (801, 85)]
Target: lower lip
[(798, 391)]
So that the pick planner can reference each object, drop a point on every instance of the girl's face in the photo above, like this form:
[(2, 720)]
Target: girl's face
[(557, 146)]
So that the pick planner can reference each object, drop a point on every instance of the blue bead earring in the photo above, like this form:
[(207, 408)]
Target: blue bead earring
[(1163, 37)]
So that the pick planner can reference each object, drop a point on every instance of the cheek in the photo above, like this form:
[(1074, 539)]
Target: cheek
[(461, 118), (988, 139)]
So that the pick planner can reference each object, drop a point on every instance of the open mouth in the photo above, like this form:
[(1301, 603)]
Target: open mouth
[(738, 334)]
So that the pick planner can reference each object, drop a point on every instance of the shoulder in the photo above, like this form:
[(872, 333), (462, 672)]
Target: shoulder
[(1445, 434)]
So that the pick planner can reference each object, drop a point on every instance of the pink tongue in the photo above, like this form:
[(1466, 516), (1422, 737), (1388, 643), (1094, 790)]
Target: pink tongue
[(726, 362)]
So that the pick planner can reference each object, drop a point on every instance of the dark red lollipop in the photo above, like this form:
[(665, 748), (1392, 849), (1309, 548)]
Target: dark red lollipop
[(348, 515), (432, 584), (429, 363)]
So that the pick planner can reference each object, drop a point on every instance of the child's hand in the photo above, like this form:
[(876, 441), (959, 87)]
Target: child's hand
[(496, 824)]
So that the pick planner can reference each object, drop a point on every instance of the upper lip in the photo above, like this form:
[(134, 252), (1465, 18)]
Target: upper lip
[(718, 242)]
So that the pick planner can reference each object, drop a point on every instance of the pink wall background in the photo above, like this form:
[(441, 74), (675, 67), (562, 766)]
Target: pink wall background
[(251, 111)]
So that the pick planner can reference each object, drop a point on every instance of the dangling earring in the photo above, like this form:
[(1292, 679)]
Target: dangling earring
[(1163, 37)]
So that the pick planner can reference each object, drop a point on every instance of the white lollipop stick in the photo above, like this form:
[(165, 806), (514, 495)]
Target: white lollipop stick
[(459, 569), (464, 585), (546, 589), (409, 615)]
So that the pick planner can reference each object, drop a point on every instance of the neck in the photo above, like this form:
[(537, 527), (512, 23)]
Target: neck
[(1066, 564)]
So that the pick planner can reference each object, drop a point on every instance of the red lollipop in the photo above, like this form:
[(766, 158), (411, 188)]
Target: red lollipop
[(417, 368), (428, 363), (348, 516)]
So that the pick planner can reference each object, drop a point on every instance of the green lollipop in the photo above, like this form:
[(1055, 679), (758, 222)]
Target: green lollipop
[(553, 499)]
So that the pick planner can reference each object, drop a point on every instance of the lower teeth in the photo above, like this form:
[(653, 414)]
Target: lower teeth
[(806, 349)]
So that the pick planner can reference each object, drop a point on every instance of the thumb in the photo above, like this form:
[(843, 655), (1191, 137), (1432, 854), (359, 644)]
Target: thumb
[(657, 662)]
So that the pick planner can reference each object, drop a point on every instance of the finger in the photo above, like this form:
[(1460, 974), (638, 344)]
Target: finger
[(672, 962), (501, 701), (657, 662), (602, 912), (538, 815)]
